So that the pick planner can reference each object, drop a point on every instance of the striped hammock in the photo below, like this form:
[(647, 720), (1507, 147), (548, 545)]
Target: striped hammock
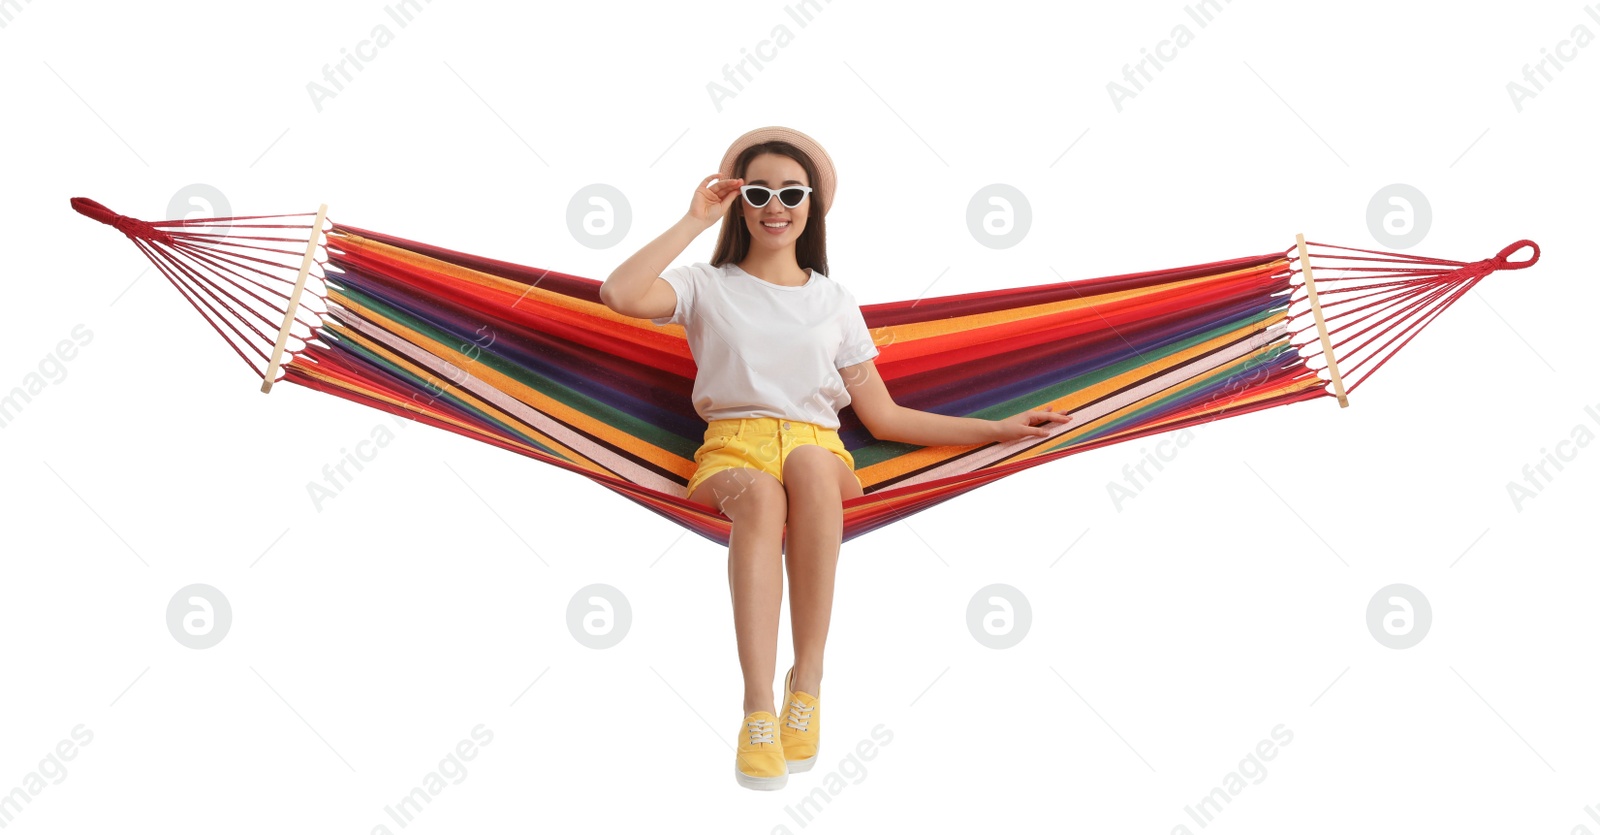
[(530, 360)]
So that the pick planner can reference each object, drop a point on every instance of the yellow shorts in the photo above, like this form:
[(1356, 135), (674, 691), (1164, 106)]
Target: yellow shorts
[(761, 443)]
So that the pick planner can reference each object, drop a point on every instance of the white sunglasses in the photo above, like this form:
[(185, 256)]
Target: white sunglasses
[(790, 196)]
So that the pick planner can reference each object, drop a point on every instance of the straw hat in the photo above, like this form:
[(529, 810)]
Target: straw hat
[(826, 178)]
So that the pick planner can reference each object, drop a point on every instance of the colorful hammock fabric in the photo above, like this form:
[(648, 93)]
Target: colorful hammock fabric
[(532, 361)]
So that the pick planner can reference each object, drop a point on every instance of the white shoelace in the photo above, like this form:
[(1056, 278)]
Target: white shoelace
[(760, 731), (799, 716)]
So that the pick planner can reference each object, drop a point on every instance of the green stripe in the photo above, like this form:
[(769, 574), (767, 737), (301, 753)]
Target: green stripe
[(887, 450), (594, 411)]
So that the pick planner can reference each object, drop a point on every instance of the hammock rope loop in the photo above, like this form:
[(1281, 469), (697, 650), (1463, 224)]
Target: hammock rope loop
[(130, 226), (1502, 259)]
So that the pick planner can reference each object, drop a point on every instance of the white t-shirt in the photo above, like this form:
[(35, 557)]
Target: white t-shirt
[(765, 350)]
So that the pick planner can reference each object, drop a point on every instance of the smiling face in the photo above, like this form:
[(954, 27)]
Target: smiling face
[(775, 226)]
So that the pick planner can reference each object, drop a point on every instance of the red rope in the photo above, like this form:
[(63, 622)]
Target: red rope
[(1372, 312), (216, 274)]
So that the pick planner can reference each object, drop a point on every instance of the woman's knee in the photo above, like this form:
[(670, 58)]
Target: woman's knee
[(815, 468)]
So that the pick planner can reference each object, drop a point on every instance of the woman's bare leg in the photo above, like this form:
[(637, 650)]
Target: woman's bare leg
[(817, 483), (756, 503)]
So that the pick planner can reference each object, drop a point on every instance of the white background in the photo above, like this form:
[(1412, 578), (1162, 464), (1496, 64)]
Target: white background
[(1228, 598)]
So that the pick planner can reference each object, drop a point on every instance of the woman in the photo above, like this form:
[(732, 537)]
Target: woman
[(780, 348)]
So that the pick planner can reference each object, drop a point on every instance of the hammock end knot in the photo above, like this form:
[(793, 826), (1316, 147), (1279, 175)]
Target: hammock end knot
[(1502, 259), (132, 227)]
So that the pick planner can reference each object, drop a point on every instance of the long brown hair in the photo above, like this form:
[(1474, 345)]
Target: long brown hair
[(733, 242)]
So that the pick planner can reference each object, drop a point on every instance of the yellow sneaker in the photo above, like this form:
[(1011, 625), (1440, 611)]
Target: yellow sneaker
[(800, 732), (759, 763)]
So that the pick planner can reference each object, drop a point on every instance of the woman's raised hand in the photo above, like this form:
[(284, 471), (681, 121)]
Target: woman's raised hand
[(711, 202), (1021, 426)]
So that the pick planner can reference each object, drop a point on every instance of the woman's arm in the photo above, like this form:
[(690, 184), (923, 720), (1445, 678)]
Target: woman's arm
[(889, 421), (636, 288)]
